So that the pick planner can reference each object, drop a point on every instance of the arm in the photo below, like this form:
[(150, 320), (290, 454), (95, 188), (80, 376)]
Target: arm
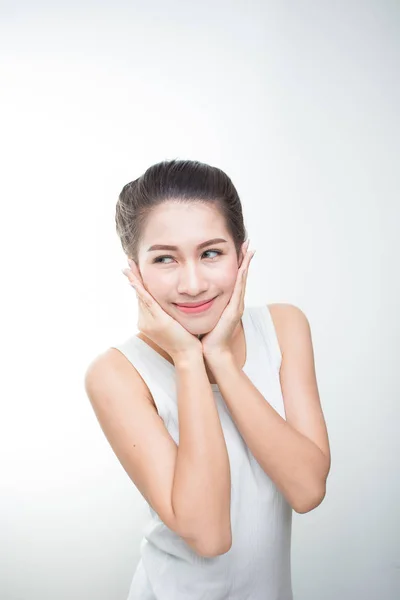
[(293, 452), (202, 483), (145, 449)]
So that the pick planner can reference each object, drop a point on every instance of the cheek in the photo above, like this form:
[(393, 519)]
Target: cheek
[(153, 283), (227, 277)]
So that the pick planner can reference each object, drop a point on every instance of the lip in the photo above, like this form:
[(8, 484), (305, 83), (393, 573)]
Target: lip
[(193, 304), (196, 307)]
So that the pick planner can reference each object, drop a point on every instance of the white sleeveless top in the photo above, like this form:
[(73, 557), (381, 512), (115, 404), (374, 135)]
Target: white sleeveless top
[(257, 566)]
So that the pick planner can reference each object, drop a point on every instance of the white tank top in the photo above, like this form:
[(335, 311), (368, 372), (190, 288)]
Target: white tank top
[(257, 566)]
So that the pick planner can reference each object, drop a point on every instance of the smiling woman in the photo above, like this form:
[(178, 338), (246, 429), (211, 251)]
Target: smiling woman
[(192, 211), (193, 406)]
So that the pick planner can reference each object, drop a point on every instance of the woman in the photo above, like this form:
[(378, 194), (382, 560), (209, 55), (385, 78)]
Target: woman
[(212, 410)]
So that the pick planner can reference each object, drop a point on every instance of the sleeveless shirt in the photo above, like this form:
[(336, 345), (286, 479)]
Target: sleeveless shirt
[(258, 564)]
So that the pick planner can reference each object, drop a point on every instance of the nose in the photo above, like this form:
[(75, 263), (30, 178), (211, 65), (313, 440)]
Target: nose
[(192, 281)]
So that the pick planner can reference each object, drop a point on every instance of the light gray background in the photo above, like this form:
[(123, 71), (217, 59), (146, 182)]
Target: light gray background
[(298, 103)]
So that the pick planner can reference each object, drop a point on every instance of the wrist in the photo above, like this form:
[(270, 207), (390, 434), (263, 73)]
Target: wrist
[(218, 355), (187, 357)]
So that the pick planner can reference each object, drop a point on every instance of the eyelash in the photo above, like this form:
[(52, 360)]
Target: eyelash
[(158, 259)]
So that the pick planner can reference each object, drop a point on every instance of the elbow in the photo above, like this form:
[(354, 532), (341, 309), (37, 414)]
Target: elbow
[(311, 502), (211, 550)]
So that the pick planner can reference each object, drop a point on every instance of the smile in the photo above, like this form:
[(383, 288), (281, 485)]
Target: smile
[(196, 309)]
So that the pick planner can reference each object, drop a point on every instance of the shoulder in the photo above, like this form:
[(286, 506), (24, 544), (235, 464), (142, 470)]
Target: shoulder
[(112, 368), (290, 323)]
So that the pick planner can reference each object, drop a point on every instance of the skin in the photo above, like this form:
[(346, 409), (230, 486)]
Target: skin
[(300, 439), (188, 274)]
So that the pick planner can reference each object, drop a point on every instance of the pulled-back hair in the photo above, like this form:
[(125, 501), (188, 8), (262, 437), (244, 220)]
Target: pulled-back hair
[(182, 181)]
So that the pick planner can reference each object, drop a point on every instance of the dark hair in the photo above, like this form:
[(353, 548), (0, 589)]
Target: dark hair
[(181, 181)]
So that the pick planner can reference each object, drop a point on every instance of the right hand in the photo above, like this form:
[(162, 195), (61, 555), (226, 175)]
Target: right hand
[(158, 325)]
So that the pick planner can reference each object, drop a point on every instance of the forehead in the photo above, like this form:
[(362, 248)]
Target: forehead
[(189, 222)]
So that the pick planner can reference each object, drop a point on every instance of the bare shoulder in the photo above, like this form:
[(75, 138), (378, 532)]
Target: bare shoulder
[(288, 319), (113, 364)]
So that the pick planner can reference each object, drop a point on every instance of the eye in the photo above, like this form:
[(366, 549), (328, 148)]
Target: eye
[(160, 258), (217, 251)]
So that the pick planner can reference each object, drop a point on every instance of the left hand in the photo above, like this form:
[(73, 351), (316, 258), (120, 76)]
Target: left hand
[(218, 340)]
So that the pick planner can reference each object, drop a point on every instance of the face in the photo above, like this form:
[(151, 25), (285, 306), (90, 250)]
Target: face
[(187, 273)]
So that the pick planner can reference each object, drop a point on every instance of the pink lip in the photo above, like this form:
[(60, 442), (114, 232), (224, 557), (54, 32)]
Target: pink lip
[(193, 304), (195, 308)]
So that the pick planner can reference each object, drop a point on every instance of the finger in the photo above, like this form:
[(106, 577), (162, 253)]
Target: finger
[(144, 296), (245, 247), (146, 299), (245, 265), (142, 305), (129, 275), (133, 274), (134, 269), (238, 289), (243, 276), (135, 279)]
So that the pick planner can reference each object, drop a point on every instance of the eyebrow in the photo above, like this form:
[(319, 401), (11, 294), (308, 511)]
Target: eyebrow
[(202, 245)]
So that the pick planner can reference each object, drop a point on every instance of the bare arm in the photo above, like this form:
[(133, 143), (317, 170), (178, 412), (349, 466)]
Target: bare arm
[(188, 485), (202, 483)]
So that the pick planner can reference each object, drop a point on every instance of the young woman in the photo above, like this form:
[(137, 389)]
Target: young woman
[(213, 407)]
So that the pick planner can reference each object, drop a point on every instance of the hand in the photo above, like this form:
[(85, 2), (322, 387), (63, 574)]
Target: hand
[(218, 340), (158, 325)]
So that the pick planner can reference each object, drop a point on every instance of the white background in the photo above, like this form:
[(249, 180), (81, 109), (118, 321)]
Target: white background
[(298, 103)]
